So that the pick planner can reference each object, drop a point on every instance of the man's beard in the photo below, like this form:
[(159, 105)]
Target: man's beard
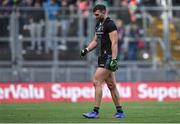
[(100, 19)]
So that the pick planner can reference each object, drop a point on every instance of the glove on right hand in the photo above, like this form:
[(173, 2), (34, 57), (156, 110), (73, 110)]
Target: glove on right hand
[(83, 52)]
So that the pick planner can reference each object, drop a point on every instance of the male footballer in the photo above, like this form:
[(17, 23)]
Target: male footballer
[(106, 41)]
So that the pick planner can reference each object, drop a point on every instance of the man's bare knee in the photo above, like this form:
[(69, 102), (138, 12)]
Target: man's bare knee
[(97, 83), (111, 86)]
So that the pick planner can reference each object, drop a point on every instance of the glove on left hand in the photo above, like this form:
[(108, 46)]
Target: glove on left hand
[(113, 65)]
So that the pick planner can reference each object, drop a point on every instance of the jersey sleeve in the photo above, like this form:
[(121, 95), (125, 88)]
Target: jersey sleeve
[(111, 26)]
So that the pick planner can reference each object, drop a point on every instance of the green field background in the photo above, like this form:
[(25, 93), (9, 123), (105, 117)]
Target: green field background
[(137, 112)]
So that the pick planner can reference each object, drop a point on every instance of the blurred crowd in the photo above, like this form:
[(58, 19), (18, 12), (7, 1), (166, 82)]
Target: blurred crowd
[(31, 3), (35, 21)]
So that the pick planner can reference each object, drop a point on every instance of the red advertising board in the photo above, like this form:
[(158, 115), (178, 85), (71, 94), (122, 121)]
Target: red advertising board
[(84, 91)]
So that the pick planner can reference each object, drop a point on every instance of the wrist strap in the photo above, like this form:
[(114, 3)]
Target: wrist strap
[(87, 49), (114, 58)]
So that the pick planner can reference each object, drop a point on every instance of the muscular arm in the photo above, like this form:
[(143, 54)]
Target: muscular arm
[(114, 43), (90, 47), (92, 44)]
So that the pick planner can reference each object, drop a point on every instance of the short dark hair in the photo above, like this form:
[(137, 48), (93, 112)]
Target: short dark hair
[(100, 7)]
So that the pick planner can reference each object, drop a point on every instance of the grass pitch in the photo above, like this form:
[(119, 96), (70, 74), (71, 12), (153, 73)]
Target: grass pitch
[(137, 112)]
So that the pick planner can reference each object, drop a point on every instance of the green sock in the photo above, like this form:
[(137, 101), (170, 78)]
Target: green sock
[(119, 109), (96, 109)]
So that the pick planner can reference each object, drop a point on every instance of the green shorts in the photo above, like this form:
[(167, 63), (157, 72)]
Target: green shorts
[(104, 61)]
